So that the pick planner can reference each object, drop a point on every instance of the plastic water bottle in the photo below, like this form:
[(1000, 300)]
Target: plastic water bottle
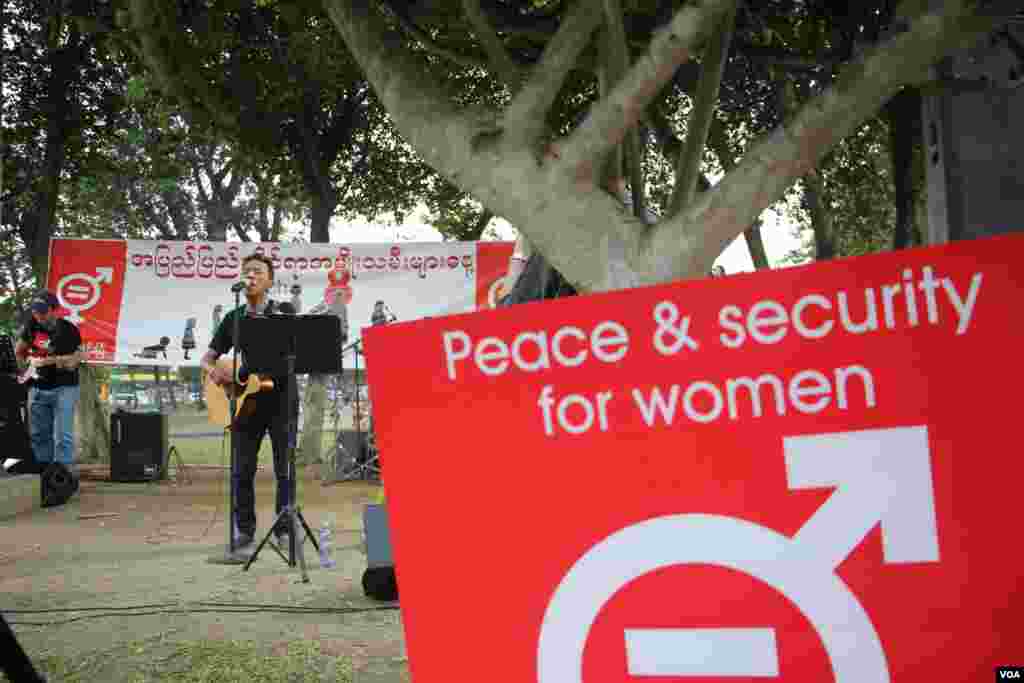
[(326, 532)]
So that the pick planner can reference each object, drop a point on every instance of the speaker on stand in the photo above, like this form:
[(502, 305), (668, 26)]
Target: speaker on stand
[(138, 446)]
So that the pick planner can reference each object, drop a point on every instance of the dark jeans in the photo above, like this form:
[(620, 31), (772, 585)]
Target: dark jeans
[(268, 416)]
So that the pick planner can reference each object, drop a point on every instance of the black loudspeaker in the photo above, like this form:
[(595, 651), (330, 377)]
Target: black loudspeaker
[(379, 584), (57, 485), (138, 446), (13, 431)]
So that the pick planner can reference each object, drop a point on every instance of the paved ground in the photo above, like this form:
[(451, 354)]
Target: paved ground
[(156, 551)]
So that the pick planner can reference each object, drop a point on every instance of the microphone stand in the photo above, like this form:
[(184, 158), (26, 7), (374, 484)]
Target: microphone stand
[(236, 332), (358, 469), (236, 329)]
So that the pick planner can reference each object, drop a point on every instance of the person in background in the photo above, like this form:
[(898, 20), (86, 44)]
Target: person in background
[(380, 315), (51, 346)]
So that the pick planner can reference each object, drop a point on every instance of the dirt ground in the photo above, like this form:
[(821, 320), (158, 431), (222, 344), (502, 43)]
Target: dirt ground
[(157, 550)]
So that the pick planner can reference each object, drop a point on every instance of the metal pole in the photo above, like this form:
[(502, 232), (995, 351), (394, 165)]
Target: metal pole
[(236, 334)]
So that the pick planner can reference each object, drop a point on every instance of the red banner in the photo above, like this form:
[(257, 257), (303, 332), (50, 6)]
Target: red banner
[(159, 303), (805, 475), (89, 282)]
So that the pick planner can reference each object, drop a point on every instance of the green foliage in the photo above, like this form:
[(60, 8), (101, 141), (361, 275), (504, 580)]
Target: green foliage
[(274, 81), (62, 88)]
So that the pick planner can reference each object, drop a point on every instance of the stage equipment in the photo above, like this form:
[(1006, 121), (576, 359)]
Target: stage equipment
[(58, 484), (356, 454), (138, 446), (188, 339), (8, 363), (230, 555), (284, 346), (14, 414), (379, 581)]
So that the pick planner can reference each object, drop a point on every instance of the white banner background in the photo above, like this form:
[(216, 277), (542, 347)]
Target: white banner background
[(166, 284)]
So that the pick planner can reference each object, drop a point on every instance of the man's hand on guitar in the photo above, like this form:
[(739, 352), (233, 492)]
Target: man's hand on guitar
[(220, 375)]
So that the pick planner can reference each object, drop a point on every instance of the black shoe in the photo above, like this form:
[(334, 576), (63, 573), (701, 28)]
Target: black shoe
[(243, 540)]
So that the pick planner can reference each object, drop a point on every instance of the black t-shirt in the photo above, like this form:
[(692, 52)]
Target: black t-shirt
[(64, 340), (224, 339)]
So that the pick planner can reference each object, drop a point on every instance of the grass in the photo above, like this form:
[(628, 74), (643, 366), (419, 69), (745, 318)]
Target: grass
[(215, 450), (203, 661)]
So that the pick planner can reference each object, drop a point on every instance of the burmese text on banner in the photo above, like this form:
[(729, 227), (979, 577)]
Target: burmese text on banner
[(158, 303)]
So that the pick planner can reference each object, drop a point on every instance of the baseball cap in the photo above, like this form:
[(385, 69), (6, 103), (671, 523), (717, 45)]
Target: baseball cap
[(43, 301)]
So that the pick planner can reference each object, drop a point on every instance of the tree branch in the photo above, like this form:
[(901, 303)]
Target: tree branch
[(688, 165), (821, 219), (481, 223), (720, 215), (204, 199), (428, 43), (755, 245), (524, 116), (637, 182), (277, 225), (406, 88), (718, 142), (620, 61), (495, 49), (670, 145), (609, 119), (902, 114)]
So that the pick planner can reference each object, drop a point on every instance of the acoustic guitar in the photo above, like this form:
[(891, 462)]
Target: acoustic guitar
[(218, 396)]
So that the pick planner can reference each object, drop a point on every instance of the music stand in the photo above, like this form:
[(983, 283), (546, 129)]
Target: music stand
[(273, 346)]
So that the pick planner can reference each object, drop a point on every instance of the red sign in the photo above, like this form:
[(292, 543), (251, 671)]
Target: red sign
[(89, 283), (810, 474), (145, 302), (492, 264)]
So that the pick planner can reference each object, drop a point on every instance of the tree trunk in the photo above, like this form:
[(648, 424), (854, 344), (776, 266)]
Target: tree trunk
[(755, 245), (902, 113), (320, 223), (558, 204), (315, 400), (93, 416), (821, 221)]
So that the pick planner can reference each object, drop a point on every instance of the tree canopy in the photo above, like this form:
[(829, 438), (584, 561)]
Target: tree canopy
[(546, 178)]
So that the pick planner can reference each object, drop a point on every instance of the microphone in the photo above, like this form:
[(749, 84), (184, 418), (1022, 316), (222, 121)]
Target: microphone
[(239, 286)]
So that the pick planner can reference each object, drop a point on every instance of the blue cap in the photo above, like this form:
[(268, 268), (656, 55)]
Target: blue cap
[(43, 302)]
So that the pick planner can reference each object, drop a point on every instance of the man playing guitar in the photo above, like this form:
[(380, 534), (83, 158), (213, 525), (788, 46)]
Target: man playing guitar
[(270, 411), (51, 346)]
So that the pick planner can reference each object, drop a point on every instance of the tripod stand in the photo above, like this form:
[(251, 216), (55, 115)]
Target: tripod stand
[(270, 340), (363, 463)]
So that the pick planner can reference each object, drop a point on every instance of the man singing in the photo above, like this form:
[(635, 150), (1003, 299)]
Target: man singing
[(269, 412)]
